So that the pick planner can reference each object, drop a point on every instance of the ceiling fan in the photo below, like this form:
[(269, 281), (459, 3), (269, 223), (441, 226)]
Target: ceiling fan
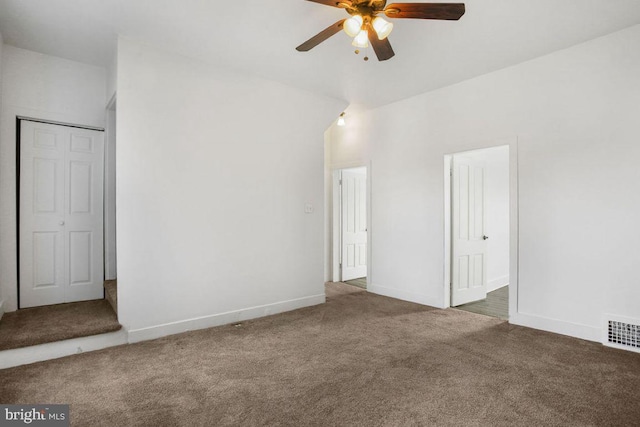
[(366, 26)]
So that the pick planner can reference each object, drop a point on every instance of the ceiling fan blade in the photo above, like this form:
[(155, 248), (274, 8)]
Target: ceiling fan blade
[(448, 11), (334, 3), (382, 48), (321, 36)]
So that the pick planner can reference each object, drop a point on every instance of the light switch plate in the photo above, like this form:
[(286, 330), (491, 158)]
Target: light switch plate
[(308, 208)]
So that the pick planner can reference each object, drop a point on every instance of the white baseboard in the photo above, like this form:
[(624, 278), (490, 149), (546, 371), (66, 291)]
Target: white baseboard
[(55, 350), (404, 295), (576, 330), (149, 333), (497, 283)]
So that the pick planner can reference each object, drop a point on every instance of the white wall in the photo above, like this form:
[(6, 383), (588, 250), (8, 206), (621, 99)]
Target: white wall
[(575, 116), (2, 307), (213, 172), (43, 87)]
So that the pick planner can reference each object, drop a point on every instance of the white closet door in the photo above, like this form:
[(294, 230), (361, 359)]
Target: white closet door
[(61, 214)]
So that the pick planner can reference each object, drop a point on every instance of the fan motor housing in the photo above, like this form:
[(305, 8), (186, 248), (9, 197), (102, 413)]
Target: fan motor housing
[(366, 7)]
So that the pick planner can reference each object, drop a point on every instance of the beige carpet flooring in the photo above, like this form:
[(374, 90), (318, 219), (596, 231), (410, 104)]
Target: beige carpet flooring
[(358, 360), (40, 325)]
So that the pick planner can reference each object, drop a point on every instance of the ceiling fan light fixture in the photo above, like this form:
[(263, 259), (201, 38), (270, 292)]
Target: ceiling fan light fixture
[(382, 27), (361, 40), (366, 18), (353, 25)]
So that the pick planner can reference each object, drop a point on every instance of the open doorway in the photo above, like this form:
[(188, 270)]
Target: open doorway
[(478, 211), (350, 226), (66, 249)]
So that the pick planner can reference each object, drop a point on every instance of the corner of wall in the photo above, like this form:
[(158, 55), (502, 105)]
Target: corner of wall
[(112, 79)]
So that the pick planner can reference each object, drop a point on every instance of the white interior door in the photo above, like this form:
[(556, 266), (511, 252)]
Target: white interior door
[(61, 214), (354, 224), (469, 242)]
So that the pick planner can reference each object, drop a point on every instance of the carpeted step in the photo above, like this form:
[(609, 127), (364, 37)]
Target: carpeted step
[(111, 293), (50, 323)]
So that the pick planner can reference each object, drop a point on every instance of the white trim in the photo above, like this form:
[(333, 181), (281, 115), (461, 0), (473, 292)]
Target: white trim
[(448, 159), (514, 230), (350, 165), (58, 123), (336, 225), (55, 350), (1, 308), (369, 225), (417, 298), (497, 283), (110, 230), (158, 331), (562, 327)]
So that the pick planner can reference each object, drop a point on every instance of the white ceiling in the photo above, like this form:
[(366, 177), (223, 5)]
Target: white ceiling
[(259, 37)]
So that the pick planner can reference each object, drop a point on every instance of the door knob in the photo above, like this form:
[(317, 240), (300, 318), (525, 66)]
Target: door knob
[(485, 237), (61, 223)]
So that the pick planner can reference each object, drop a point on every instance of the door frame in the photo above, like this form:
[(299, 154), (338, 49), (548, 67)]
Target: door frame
[(334, 219), (19, 119), (110, 225), (512, 142)]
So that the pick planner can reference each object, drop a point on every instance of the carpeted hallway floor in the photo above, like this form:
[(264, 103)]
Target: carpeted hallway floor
[(360, 359)]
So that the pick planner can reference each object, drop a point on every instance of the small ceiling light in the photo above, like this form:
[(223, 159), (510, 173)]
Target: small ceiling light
[(383, 28), (361, 40), (353, 25), (341, 121)]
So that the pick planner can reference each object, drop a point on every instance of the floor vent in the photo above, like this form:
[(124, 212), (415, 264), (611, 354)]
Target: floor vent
[(622, 333)]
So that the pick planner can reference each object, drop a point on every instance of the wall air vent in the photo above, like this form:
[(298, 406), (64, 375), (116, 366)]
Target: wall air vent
[(621, 332)]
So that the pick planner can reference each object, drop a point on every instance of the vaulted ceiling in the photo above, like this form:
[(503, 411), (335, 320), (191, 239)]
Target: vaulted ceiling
[(259, 37)]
